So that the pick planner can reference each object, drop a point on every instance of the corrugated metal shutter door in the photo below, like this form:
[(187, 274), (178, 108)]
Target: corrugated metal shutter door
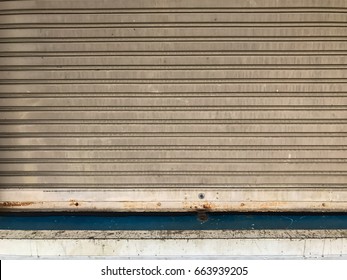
[(173, 105)]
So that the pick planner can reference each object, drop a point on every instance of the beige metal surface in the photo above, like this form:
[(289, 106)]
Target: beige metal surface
[(173, 105)]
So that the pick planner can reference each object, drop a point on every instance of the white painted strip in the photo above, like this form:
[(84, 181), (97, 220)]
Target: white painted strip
[(294, 245), (207, 199)]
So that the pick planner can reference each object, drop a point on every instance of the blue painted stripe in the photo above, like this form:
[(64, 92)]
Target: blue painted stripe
[(215, 221)]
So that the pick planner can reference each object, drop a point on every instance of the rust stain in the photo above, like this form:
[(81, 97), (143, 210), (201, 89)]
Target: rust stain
[(206, 206), (15, 203), (202, 216), (74, 203)]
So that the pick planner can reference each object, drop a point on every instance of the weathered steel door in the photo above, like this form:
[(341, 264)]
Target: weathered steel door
[(173, 105)]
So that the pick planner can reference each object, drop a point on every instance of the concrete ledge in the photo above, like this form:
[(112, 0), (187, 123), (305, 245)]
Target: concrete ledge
[(262, 244)]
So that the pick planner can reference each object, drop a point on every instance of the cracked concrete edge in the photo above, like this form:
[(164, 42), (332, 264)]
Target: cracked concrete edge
[(173, 234)]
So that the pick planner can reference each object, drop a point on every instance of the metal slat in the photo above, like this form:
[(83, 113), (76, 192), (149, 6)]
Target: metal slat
[(276, 33), (164, 47), (177, 4), (178, 180), (210, 18), (235, 89), (169, 154), (179, 62), (201, 127)]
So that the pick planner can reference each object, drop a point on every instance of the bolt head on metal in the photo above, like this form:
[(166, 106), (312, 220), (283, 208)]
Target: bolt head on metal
[(201, 195)]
